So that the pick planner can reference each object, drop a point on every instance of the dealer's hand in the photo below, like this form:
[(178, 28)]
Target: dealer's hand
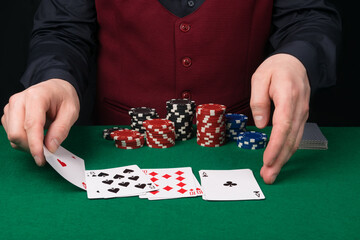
[(52, 103), (282, 79)]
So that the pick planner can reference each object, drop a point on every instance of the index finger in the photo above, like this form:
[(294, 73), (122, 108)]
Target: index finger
[(282, 125)]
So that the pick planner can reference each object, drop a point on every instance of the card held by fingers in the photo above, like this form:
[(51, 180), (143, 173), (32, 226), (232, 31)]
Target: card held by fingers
[(68, 165)]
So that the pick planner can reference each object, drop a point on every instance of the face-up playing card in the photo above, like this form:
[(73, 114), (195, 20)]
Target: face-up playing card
[(228, 185), (117, 182), (68, 165), (172, 183)]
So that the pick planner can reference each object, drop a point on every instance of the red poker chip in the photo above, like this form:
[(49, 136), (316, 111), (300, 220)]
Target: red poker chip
[(212, 130), (160, 141), (133, 143), (125, 134), (207, 144), (170, 133), (128, 147), (211, 109), (159, 123), (167, 136), (209, 118), (211, 125), (215, 140), (158, 130), (157, 146)]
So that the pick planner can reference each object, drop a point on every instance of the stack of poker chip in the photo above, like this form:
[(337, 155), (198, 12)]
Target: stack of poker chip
[(211, 129), (139, 115), (160, 133), (235, 124), (108, 131), (181, 113), (252, 140), (128, 139)]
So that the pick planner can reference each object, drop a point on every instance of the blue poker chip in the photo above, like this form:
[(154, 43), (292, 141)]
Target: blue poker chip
[(235, 120), (252, 140), (232, 134), (252, 146)]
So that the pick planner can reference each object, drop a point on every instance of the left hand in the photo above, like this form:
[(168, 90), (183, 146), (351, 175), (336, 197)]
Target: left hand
[(281, 78)]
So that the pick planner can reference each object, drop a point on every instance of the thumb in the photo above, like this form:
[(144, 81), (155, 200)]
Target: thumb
[(260, 100), (60, 127)]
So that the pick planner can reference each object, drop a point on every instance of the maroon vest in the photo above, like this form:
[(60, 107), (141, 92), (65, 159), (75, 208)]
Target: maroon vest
[(148, 55)]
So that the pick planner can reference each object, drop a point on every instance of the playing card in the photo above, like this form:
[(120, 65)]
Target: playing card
[(227, 185), (68, 165), (117, 182), (172, 183)]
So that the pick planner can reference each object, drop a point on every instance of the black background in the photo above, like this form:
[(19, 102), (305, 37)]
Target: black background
[(335, 106)]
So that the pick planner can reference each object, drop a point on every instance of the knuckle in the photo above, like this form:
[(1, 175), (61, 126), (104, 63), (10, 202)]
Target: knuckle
[(14, 98), (15, 137), (258, 104), (29, 123), (6, 109)]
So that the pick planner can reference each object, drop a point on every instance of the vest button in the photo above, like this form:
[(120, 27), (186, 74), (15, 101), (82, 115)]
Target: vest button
[(184, 27), (190, 3), (186, 94), (186, 62)]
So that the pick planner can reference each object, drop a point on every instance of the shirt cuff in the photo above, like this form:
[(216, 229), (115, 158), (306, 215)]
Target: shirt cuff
[(307, 55)]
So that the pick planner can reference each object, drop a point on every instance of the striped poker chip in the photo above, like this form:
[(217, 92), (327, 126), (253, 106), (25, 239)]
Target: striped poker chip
[(136, 142), (127, 147), (159, 145), (211, 127), (125, 134), (181, 112), (160, 133), (252, 146), (235, 124), (139, 115), (252, 140), (142, 112), (159, 123), (211, 109), (108, 131), (252, 136)]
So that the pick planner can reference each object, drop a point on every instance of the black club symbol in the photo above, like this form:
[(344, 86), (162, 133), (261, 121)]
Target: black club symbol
[(230, 184)]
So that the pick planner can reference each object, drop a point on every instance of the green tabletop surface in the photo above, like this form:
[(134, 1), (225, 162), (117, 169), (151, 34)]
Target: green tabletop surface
[(316, 196)]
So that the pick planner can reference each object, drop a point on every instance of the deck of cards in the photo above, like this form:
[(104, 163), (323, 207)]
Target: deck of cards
[(313, 138), (155, 184)]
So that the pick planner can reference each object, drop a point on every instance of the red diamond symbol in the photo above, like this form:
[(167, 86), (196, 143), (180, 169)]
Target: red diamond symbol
[(153, 174), (179, 172), (154, 179), (166, 176), (168, 188), (154, 192), (180, 178), (182, 191), (181, 184)]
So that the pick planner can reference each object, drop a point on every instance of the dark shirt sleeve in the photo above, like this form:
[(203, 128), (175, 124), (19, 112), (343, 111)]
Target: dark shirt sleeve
[(63, 43), (310, 30)]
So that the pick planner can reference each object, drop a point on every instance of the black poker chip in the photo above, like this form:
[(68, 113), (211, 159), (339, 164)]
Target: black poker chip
[(139, 115), (181, 112), (108, 131)]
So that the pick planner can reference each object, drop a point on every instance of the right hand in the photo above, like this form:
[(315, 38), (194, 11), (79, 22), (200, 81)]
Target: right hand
[(52, 103)]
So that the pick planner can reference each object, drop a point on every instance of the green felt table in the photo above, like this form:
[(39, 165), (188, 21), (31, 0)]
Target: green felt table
[(316, 196)]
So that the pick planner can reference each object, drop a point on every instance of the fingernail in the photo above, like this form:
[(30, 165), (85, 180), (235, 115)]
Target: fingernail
[(54, 145), (258, 119), (38, 161)]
